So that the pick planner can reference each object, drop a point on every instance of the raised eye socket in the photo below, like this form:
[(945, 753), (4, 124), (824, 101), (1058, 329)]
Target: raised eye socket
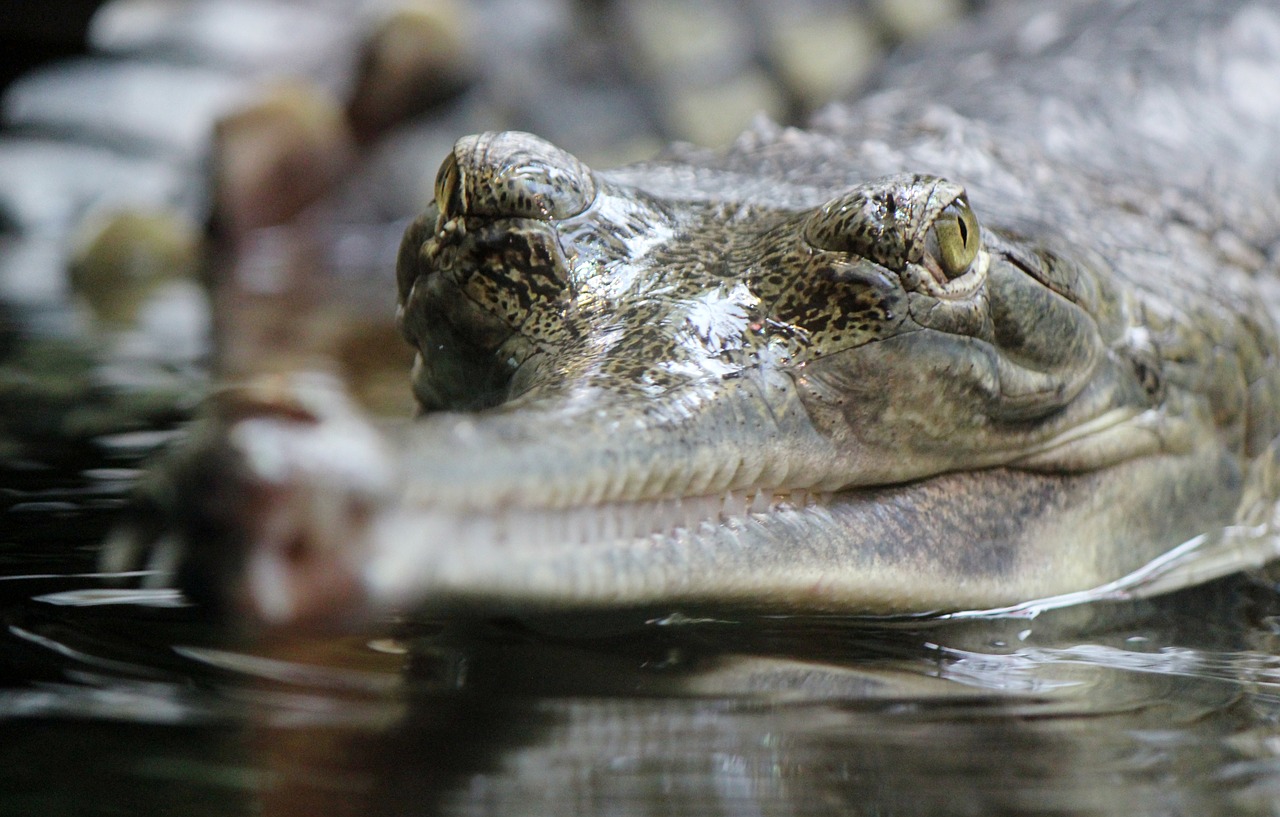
[(900, 220), (512, 175), (954, 238), (867, 221)]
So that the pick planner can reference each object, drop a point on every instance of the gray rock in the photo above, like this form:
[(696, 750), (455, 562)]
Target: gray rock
[(148, 106), (822, 53), (913, 19), (48, 186), (33, 273), (246, 36)]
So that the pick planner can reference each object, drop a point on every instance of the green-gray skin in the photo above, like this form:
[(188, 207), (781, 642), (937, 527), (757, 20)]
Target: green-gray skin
[(797, 374)]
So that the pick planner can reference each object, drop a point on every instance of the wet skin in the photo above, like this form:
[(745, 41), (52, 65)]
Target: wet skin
[(919, 357)]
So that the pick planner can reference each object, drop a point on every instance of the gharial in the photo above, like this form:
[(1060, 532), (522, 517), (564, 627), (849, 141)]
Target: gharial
[(1002, 328)]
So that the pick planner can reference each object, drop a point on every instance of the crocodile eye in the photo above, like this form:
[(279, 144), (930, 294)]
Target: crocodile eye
[(449, 187), (512, 175), (953, 238), (901, 220)]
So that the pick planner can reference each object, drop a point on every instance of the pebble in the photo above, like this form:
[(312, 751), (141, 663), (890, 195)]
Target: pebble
[(258, 37), (824, 55), (714, 115), (416, 58), (273, 157), (141, 106), (33, 274), (120, 260), (683, 40), (913, 19), (48, 186)]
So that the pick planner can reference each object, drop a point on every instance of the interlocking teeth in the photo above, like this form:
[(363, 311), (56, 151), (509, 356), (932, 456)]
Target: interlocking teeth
[(614, 521)]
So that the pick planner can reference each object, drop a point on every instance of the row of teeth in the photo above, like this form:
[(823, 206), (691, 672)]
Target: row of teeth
[(615, 521)]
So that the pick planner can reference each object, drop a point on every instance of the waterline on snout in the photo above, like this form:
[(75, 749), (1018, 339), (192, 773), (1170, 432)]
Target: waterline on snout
[(1198, 560)]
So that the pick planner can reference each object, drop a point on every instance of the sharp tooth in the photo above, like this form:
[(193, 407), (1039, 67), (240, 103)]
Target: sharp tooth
[(760, 502)]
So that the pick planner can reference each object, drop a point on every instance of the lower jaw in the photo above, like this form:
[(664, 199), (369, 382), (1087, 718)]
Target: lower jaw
[(788, 553), (965, 540)]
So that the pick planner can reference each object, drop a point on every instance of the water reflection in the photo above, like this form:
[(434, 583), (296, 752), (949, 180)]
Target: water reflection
[(135, 704)]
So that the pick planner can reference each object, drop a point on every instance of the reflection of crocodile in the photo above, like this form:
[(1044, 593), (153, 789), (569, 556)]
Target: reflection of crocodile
[(798, 374)]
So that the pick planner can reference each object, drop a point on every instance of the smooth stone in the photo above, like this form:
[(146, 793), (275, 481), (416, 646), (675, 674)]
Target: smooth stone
[(255, 36), (147, 106), (120, 260), (714, 115), (677, 41), (47, 186), (913, 19), (824, 55), (276, 155), (33, 272), (414, 59)]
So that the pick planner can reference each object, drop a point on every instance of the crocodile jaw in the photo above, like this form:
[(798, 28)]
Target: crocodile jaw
[(957, 541), (326, 543)]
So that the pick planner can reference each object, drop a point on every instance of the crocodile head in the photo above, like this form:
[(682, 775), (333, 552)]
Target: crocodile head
[(863, 399), (878, 337)]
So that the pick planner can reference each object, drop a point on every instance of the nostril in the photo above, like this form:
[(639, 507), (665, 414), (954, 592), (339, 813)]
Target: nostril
[(511, 174)]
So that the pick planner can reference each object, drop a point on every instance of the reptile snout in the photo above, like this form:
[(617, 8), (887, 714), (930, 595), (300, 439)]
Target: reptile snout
[(484, 277)]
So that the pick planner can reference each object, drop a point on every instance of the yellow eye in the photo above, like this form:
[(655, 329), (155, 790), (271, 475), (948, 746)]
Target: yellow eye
[(953, 239), (449, 188)]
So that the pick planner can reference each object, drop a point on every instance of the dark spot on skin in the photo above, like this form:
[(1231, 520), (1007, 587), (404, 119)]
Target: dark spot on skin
[(1147, 371)]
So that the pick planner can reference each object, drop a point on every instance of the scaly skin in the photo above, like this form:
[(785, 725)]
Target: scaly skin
[(767, 376)]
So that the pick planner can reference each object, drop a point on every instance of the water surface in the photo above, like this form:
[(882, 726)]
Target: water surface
[(126, 702)]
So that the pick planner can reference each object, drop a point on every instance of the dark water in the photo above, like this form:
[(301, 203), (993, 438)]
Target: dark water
[(113, 703)]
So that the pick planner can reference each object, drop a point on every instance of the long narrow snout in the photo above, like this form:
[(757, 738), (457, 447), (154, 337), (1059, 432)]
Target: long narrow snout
[(317, 517)]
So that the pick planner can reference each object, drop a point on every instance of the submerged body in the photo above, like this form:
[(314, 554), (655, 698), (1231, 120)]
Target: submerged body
[(1003, 330)]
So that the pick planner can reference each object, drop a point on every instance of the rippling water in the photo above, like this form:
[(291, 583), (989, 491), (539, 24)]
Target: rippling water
[(127, 702)]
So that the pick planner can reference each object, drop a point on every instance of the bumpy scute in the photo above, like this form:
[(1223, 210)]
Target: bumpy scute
[(512, 174), (890, 221)]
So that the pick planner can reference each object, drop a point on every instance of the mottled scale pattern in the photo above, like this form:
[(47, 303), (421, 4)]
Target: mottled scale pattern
[(629, 297)]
